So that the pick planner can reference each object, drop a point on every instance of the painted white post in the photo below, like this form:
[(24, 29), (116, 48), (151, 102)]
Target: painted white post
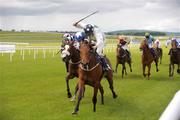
[(2, 53), (29, 51), (34, 54), (21, 52), (53, 53), (23, 55), (10, 57), (44, 53), (172, 112)]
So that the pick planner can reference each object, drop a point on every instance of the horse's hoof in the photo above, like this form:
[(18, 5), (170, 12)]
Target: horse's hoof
[(69, 95), (115, 96), (171, 77), (74, 113), (157, 70), (178, 71), (131, 70)]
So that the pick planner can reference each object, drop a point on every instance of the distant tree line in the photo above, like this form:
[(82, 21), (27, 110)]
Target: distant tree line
[(134, 33)]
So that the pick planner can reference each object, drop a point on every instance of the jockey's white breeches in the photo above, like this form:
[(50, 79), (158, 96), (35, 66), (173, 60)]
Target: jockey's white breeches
[(99, 49)]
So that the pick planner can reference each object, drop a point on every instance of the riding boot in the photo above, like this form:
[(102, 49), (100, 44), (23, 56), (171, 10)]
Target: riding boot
[(153, 52), (105, 65)]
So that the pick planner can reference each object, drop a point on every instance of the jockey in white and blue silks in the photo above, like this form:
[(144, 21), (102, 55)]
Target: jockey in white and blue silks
[(79, 37), (150, 40), (93, 31)]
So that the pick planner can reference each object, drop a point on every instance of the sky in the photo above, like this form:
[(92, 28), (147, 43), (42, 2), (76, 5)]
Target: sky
[(43, 15)]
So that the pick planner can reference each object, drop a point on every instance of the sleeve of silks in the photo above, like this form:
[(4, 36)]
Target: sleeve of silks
[(172, 112), (80, 25)]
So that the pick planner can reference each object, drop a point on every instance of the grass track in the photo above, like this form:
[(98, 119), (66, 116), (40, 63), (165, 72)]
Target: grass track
[(36, 90)]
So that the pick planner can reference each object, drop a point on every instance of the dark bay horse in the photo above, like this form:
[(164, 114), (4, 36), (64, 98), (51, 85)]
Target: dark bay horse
[(147, 58), (174, 58), (122, 58), (159, 52), (90, 72), (71, 56)]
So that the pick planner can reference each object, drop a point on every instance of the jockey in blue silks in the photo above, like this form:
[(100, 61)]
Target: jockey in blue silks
[(150, 41)]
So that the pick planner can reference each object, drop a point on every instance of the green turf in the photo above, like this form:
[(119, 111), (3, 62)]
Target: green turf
[(36, 90)]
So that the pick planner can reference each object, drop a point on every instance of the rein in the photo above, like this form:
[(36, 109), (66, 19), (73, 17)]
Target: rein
[(88, 70), (74, 63)]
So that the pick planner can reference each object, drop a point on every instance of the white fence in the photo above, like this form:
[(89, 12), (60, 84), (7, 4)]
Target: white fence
[(34, 51)]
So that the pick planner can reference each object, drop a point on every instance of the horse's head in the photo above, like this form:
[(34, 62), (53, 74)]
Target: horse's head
[(68, 52), (85, 48), (143, 45)]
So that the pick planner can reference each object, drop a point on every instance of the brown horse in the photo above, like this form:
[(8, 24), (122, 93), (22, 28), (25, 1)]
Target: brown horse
[(71, 56), (122, 58), (159, 53), (147, 58), (174, 58), (90, 72)]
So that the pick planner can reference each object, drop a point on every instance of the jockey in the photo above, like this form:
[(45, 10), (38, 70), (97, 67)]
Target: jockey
[(93, 31), (167, 42), (67, 38), (177, 42), (157, 43), (150, 40), (124, 42)]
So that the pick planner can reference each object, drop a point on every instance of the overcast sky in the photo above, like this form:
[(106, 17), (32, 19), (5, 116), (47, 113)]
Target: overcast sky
[(163, 15)]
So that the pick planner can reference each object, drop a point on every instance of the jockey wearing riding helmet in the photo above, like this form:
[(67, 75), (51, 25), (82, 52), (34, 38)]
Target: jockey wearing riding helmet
[(177, 42), (124, 42), (150, 40), (157, 43), (67, 38), (94, 31)]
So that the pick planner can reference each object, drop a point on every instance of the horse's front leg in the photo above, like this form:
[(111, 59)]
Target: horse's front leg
[(170, 70), (123, 69), (67, 85), (75, 93), (110, 81), (116, 67), (149, 71), (102, 93), (130, 66), (156, 62), (94, 99), (81, 92), (178, 70), (144, 68)]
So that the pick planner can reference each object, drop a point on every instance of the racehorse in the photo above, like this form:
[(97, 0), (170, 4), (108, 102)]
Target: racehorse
[(90, 72), (147, 58), (174, 58), (159, 51), (122, 58), (71, 56)]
